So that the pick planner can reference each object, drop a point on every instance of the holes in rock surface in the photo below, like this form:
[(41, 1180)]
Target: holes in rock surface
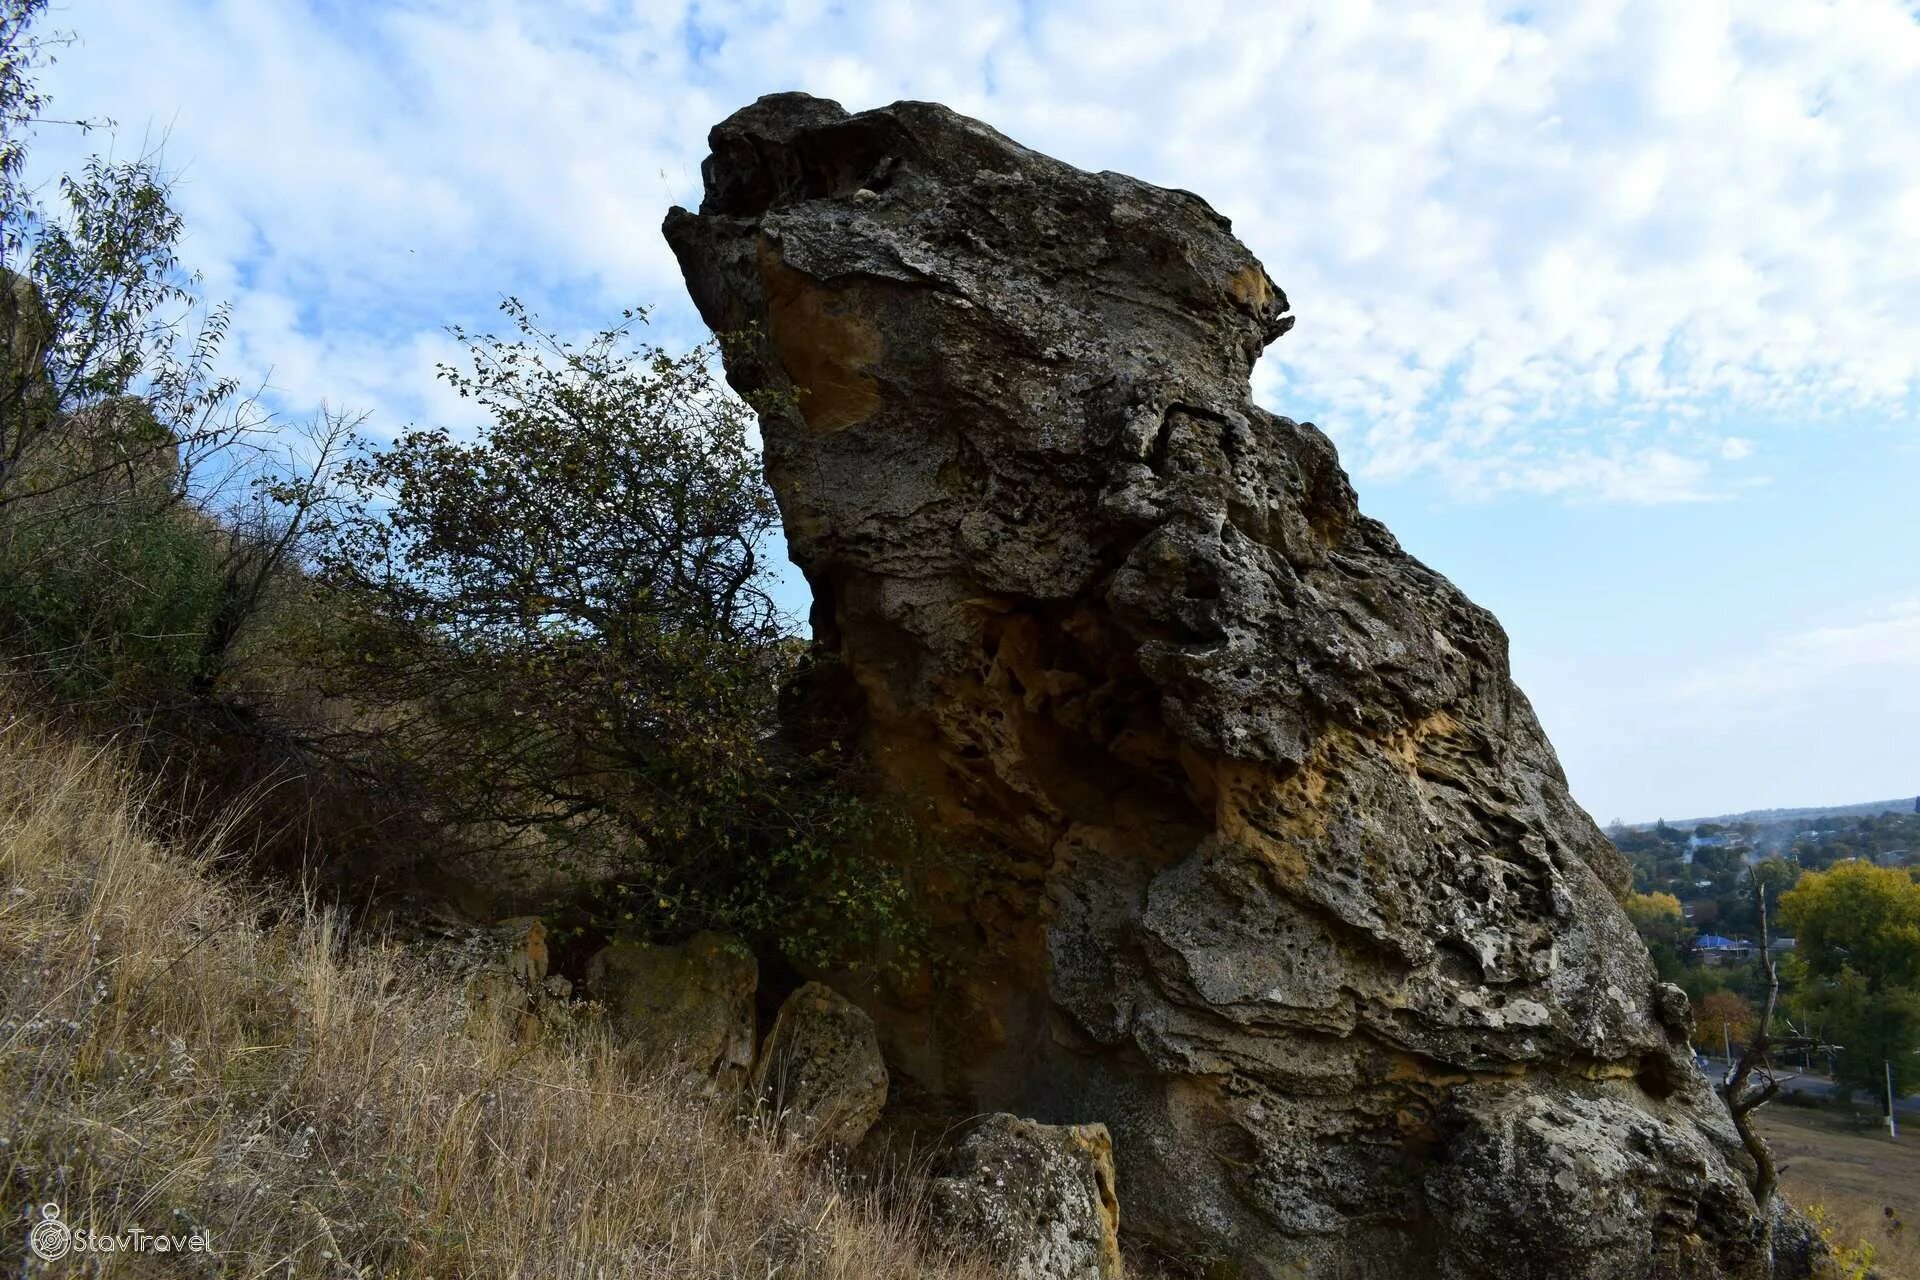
[(1656, 1075), (1457, 964)]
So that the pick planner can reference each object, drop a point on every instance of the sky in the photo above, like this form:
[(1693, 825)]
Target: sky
[(1613, 309)]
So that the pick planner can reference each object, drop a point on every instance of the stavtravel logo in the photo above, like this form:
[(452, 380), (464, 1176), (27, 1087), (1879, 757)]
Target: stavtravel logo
[(50, 1238), (53, 1239)]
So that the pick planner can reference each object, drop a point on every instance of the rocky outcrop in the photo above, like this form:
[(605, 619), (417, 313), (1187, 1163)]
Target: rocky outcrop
[(820, 1073), (1253, 851), (1036, 1199), (689, 1004), (115, 443)]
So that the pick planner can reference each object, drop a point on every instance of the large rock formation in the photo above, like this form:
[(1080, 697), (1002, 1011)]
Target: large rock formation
[(1256, 855)]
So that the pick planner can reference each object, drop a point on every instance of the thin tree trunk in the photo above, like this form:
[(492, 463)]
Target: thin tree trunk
[(1742, 1102)]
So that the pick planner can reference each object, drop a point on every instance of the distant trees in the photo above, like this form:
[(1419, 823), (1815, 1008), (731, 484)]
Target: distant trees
[(1819, 843), (1736, 910), (1724, 1017), (1857, 928), (1663, 926)]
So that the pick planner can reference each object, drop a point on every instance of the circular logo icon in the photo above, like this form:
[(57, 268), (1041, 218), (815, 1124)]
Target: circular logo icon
[(50, 1237)]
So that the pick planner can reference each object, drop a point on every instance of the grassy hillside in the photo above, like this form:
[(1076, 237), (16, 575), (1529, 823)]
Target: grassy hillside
[(1847, 1173), (177, 1053)]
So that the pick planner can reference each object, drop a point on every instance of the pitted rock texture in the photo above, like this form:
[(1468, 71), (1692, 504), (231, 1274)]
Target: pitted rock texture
[(689, 1004), (821, 1073), (1255, 854), (1036, 1199)]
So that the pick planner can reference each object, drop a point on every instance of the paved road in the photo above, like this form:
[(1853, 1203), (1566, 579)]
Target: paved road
[(1818, 1086)]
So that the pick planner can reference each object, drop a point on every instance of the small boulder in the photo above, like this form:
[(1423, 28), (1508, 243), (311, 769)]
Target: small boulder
[(1799, 1251), (1037, 1198), (512, 971), (820, 1071), (691, 1003), (1674, 1010)]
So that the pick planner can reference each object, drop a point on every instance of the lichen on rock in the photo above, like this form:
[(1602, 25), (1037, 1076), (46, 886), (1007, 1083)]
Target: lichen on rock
[(1273, 871), (688, 1004), (820, 1073), (1038, 1200)]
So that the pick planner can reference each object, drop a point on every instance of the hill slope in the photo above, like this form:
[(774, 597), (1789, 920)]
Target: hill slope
[(179, 1056)]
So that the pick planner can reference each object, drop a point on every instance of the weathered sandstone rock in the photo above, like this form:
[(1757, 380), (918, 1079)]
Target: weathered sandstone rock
[(820, 1071), (1038, 1199), (690, 1003), (1257, 854)]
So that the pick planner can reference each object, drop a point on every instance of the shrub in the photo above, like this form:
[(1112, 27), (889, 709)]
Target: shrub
[(110, 601), (562, 631)]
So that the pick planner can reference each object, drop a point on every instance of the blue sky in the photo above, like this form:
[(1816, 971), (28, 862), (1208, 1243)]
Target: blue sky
[(1613, 308)]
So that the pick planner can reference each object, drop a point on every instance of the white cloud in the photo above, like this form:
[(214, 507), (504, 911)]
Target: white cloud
[(1540, 254), (1809, 715), (1882, 650)]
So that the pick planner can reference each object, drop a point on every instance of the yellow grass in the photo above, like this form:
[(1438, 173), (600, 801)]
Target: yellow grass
[(1862, 1187), (177, 1053)]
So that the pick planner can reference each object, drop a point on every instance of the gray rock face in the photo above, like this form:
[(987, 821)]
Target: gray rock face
[(820, 1071), (1258, 856), (1038, 1199)]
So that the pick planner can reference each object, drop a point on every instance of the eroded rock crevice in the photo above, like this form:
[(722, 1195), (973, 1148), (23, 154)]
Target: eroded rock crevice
[(1268, 866)]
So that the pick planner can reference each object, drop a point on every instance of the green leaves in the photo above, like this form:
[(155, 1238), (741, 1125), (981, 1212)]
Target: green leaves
[(574, 627), (1857, 959), (1859, 916)]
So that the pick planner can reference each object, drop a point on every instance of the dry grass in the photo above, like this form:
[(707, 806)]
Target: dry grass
[(176, 1053), (1862, 1186)]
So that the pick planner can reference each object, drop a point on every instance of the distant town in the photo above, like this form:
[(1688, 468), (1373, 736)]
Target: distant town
[(1842, 880), (1700, 863)]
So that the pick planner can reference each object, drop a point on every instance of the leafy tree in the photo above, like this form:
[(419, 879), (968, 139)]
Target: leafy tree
[(1857, 916), (1655, 913), (1873, 1033), (1857, 930), (565, 627), (1722, 1017), (95, 306), (143, 511)]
